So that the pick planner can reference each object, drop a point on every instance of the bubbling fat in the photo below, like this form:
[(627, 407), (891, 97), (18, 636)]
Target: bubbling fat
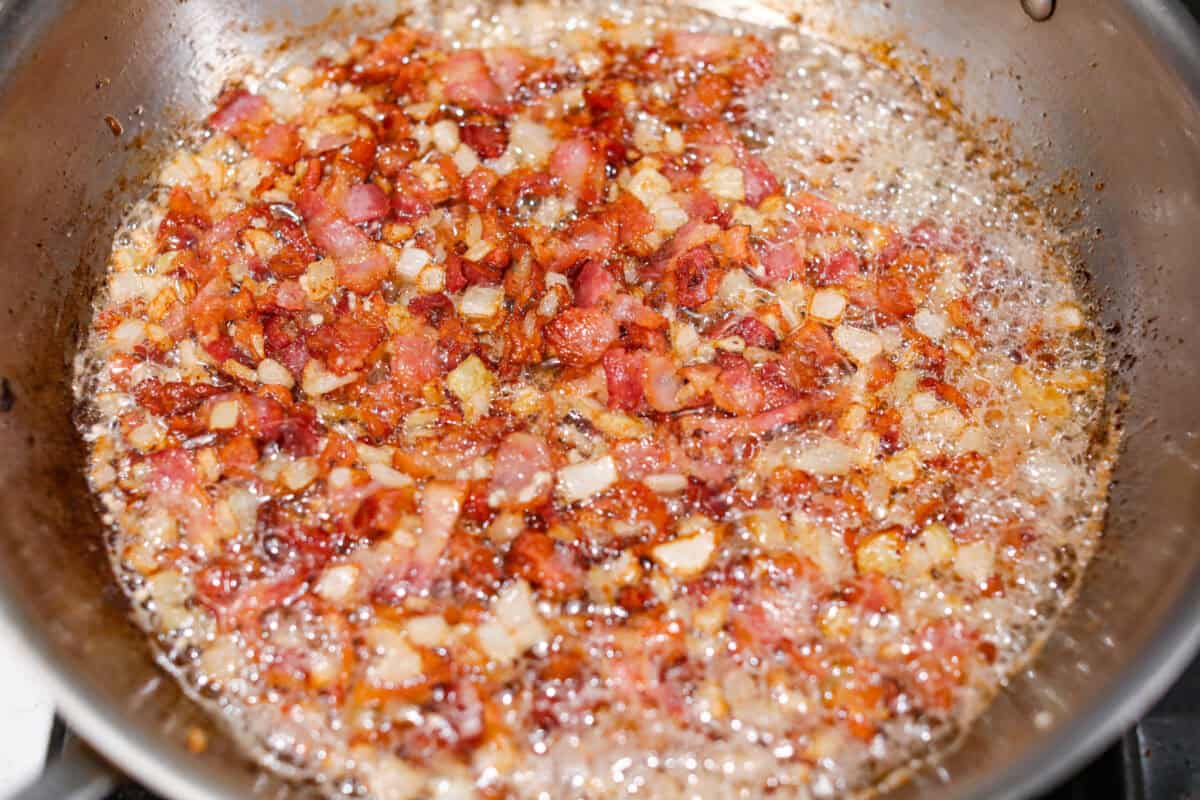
[(640, 597)]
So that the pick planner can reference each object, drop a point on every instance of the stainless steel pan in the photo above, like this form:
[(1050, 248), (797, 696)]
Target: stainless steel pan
[(1108, 89)]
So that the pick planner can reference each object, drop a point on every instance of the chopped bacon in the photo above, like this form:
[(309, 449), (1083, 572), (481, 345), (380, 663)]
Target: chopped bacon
[(579, 336), (696, 277), (594, 285), (624, 373), (441, 503), (641, 457), (707, 99), (837, 269), (281, 144), (577, 165), (360, 265), (171, 470), (366, 202), (509, 66), (469, 84), (239, 109), (345, 343), (488, 141), (781, 261), (547, 565), (755, 333), (759, 181), (736, 389), (414, 361), (628, 309), (661, 383), (522, 476), (725, 428), (648, 475)]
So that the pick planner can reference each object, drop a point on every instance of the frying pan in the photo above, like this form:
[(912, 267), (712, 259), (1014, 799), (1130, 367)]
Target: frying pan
[(1105, 93)]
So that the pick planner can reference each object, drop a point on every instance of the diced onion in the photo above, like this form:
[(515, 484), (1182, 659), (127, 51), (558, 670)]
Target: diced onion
[(930, 324), (474, 385), (861, 345), (826, 457), (687, 556), (724, 182), (445, 135), (581, 481), (827, 305), (224, 416), (317, 380), (338, 582), (410, 262), (272, 373)]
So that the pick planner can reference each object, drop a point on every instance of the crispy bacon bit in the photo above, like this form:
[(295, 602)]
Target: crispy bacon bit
[(523, 474), (366, 202), (624, 374), (469, 84), (239, 109), (594, 285), (281, 144), (696, 277), (578, 167), (548, 566), (579, 336), (488, 141)]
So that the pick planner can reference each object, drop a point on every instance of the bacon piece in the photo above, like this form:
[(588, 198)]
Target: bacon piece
[(174, 398), (469, 84), (641, 457), (441, 503), (577, 165), (171, 471), (661, 383), (696, 277), (721, 429), (488, 141), (706, 99), (594, 285), (280, 144), (759, 181), (624, 373), (705, 47), (837, 269), (509, 66), (388, 58), (345, 343), (478, 186), (380, 512), (755, 333), (628, 309), (239, 110), (414, 361), (873, 592), (736, 389), (781, 261), (523, 473), (586, 239), (580, 336), (366, 202), (360, 265), (547, 565)]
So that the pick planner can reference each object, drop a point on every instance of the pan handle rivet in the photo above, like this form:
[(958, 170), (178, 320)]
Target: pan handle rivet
[(1038, 10)]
